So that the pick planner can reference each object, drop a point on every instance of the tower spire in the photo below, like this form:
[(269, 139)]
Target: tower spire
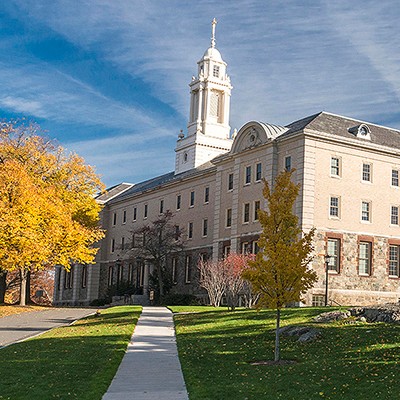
[(213, 24)]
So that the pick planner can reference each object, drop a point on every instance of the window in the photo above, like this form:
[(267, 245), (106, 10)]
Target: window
[(122, 243), (161, 206), (188, 269), (205, 227), (334, 207), (256, 208), (366, 172), (335, 166), (364, 258), (365, 211), (247, 179), (246, 212), (230, 182), (394, 260), (177, 232), (178, 202), (124, 217), (134, 213), (112, 245), (130, 273), (227, 250), (190, 230), (395, 177), (120, 272), (174, 271), (110, 275), (191, 199), (69, 278), (288, 163), (206, 194), (318, 300), (394, 215), (333, 250), (84, 276), (146, 208), (115, 219), (229, 217), (216, 71), (258, 172)]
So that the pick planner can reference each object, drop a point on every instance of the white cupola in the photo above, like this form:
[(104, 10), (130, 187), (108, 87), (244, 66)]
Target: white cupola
[(208, 132)]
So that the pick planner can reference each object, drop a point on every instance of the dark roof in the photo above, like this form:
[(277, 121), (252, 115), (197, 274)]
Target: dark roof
[(161, 180), (112, 192), (338, 125)]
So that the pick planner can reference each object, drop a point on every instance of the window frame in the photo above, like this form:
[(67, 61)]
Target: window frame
[(258, 172), (188, 268), (247, 175), (395, 261), (178, 202), (288, 163), (366, 176), (228, 219), (257, 207), (205, 227), (368, 258), (335, 258), (394, 217), (206, 194), (230, 182), (395, 179), (334, 210), (366, 214), (246, 213), (146, 211), (190, 230), (335, 169), (134, 213), (191, 199)]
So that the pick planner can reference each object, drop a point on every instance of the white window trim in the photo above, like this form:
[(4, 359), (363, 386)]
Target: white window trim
[(391, 177), (255, 173), (244, 206), (245, 175), (339, 207), (339, 175), (398, 215), (369, 212), (369, 182)]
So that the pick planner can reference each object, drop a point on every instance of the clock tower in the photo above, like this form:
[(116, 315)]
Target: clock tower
[(208, 133)]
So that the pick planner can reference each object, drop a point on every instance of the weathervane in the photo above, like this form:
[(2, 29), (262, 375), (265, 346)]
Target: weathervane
[(213, 23)]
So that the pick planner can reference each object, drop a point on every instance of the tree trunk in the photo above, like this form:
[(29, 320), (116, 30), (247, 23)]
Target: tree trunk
[(3, 284), (160, 282), (22, 291), (28, 299), (277, 348)]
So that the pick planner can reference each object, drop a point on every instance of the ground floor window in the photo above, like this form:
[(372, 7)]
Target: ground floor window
[(84, 276), (364, 258), (394, 260), (318, 300), (333, 250), (110, 275), (188, 269)]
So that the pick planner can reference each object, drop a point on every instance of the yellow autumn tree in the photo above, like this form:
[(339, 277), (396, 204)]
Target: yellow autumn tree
[(48, 214), (280, 272)]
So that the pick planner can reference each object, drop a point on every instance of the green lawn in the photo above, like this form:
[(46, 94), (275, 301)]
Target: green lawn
[(74, 362), (349, 362)]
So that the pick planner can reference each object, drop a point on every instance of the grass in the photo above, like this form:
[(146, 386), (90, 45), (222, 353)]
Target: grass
[(6, 310), (73, 362), (360, 361)]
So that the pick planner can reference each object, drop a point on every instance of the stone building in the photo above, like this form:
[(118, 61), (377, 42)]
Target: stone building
[(350, 192)]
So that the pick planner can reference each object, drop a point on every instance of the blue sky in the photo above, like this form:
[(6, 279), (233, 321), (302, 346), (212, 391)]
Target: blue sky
[(109, 79)]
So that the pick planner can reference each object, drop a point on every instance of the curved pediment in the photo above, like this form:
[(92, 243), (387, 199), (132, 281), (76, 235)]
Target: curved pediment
[(254, 134)]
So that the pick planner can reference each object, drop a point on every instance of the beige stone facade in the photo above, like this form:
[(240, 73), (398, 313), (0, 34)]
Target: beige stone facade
[(348, 171)]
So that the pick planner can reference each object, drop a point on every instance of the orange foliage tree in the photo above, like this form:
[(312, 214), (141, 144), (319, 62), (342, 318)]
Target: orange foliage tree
[(280, 273), (48, 214)]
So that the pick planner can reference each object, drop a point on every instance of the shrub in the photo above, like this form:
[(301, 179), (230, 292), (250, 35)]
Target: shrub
[(180, 300)]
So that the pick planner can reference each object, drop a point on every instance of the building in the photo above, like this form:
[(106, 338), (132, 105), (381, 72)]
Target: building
[(350, 192)]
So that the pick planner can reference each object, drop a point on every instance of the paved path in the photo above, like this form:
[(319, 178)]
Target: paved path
[(150, 369), (15, 328)]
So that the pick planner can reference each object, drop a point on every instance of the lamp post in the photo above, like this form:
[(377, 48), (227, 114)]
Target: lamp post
[(328, 259)]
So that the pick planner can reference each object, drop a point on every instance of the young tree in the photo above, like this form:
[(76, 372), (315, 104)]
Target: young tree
[(157, 241), (212, 279), (48, 214), (280, 272)]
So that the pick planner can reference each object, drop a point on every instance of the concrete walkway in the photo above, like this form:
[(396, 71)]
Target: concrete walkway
[(150, 369), (17, 327)]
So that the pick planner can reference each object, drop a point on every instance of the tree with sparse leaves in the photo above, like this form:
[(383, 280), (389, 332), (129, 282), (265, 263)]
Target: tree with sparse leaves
[(48, 214), (155, 242), (280, 272)]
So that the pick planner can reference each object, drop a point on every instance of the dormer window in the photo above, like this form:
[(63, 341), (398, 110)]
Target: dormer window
[(216, 71), (361, 131)]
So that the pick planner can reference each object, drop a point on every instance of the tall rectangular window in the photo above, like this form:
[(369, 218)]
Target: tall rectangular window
[(191, 203), (110, 275), (178, 201), (395, 177), (335, 166), (122, 243), (174, 270), (130, 273), (256, 208), (84, 276), (216, 71), (247, 178), (258, 172), (288, 163), (229, 217), (134, 213), (394, 215), (333, 250), (364, 258), (246, 212), (114, 219), (190, 230), (146, 209), (365, 211), (188, 269), (206, 194), (334, 207), (230, 182), (366, 172), (205, 227), (112, 245), (161, 206), (394, 260), (124, 217)]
